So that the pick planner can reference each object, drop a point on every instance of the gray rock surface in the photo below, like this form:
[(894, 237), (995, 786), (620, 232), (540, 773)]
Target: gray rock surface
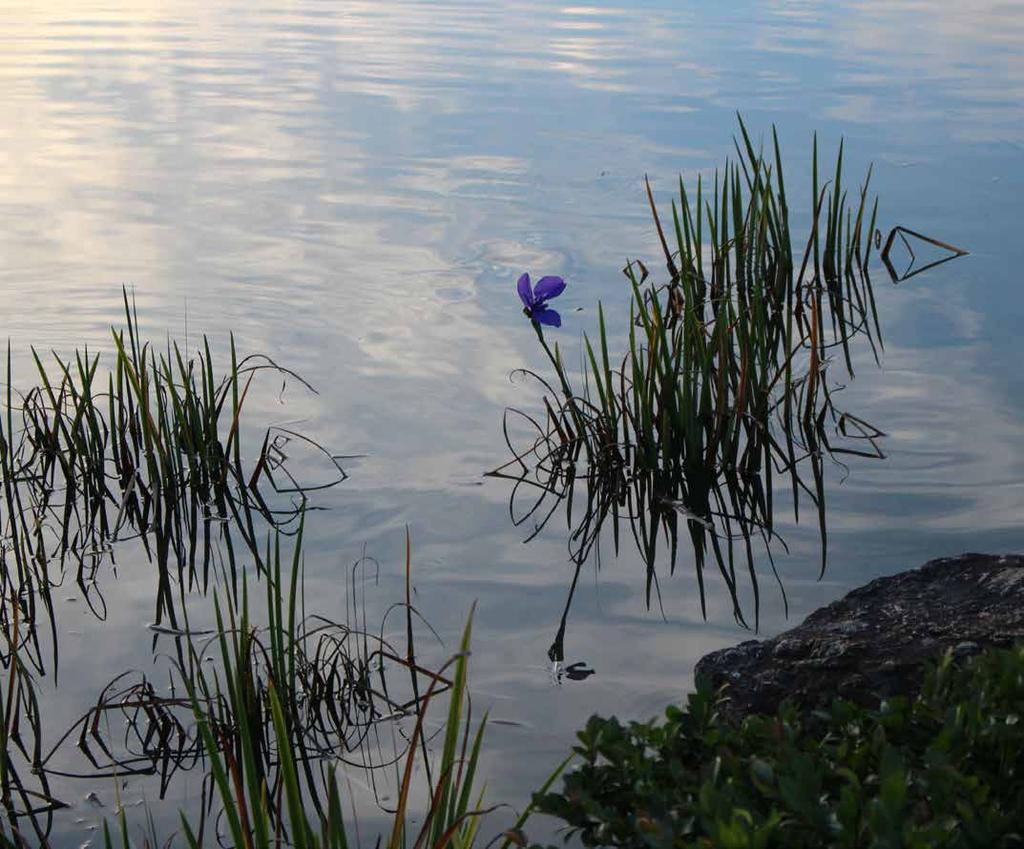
[(874, 642)]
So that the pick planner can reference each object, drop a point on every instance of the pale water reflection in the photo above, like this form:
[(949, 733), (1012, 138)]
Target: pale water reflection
[(354, 187)]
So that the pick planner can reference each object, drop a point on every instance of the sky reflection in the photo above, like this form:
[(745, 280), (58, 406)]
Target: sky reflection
[(353, 188)]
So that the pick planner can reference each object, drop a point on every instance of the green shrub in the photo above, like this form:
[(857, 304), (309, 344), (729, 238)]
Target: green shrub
[(944, 770)]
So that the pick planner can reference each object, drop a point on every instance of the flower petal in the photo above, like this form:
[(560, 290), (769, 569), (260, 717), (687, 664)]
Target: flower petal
[(525, 292), (547, 316), (548, 288)]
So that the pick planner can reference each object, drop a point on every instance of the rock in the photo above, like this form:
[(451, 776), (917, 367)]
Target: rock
[(874, 642)]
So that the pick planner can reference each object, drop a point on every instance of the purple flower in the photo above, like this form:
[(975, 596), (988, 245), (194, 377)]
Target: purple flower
[(535, 299)]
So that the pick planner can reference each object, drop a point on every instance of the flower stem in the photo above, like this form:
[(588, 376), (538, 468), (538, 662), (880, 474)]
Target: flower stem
[(556, 361)]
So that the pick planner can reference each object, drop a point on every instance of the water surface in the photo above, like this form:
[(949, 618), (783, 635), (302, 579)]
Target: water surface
[(353, 187)]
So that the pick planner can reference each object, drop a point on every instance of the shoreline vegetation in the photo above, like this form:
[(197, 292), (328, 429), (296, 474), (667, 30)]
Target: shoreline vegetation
[(944, 768), (719, 401)]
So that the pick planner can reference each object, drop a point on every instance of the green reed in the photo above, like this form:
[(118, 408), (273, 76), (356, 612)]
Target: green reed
[(25, 793), (280, 801), (721, 394), (303, 813), (282, 706), (147, 450), (150, 449)]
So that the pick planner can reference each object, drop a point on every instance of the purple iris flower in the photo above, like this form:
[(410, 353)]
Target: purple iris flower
[(535, 299)]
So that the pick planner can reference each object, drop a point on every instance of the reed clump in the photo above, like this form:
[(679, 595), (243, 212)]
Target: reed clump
[(722, 394), (274, 715), (150, 450)]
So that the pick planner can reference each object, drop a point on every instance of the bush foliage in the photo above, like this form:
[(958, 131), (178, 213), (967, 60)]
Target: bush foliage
[(943, 770)]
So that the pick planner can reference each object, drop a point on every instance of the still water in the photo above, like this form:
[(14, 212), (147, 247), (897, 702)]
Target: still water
[(353, 188)]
